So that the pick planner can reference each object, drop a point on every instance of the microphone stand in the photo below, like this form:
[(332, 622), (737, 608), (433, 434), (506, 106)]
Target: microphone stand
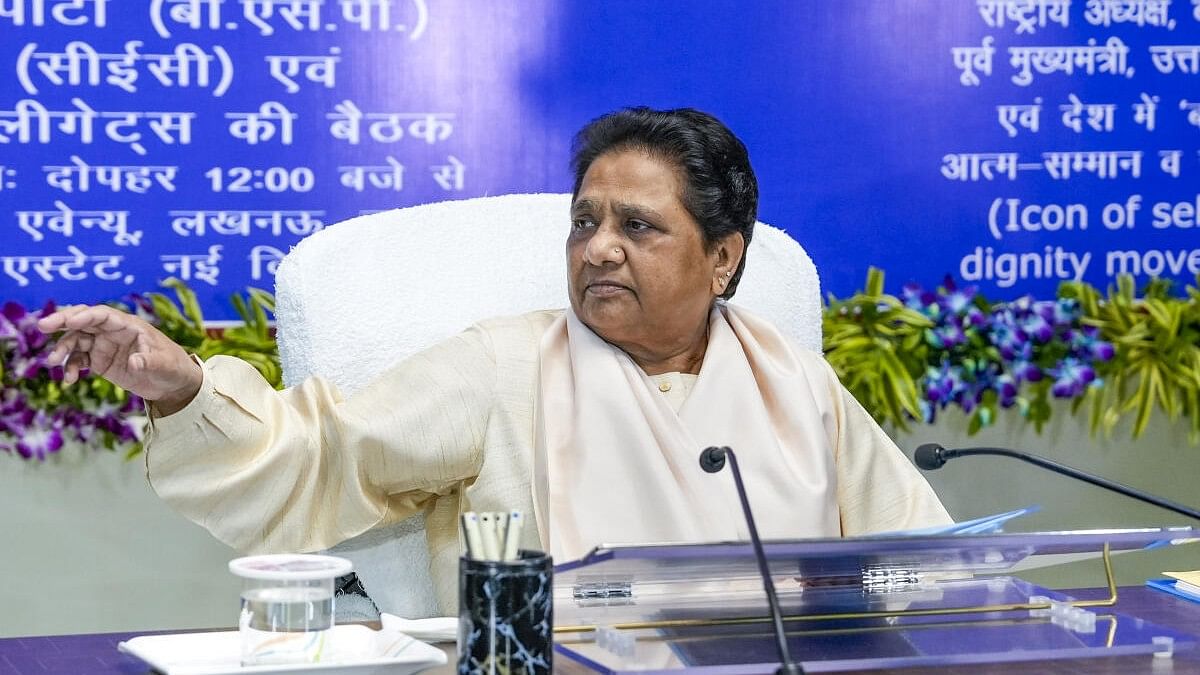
[(712, 460), (932, 456)]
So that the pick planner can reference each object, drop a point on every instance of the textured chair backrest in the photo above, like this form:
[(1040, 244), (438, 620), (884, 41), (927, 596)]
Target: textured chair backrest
[(363, 294)]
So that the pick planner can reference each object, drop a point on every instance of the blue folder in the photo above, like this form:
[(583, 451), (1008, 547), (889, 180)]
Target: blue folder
[(1168, 586)]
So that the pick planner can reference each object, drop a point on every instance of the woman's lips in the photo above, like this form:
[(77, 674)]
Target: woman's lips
[(606, 289)]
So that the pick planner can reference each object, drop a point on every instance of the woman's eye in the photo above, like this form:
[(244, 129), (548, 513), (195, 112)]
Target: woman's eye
[(581, 223), (638, 226)]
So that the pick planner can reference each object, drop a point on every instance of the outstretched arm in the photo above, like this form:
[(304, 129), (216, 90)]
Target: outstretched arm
[(294, 470), (305, 468)]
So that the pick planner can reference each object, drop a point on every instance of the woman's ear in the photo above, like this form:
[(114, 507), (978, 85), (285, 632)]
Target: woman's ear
[(727, 254)]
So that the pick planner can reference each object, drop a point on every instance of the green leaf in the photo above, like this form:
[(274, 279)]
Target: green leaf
[(874, 281), (1143, 402)]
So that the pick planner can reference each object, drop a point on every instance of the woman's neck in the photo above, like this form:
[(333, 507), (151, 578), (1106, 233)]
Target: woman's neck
[(687, 359)]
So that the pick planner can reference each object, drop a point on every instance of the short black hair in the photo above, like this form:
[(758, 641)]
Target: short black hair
[(720, 190)]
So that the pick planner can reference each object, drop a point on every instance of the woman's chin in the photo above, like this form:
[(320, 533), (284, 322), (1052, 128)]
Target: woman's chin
[(606, 319)]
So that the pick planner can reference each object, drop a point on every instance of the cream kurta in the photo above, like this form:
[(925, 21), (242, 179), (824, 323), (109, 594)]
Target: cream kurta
[(446, 430)]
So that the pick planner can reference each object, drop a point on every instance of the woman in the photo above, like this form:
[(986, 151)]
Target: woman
[(591, 418)]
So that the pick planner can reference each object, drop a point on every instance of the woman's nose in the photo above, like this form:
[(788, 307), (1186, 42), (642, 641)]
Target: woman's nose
[(604, 247)]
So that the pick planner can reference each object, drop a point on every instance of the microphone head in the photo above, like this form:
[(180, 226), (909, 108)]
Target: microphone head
[(929, 456), (712, 459)]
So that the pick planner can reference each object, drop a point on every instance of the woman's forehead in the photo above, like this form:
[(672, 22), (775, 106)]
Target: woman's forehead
[(631, 178)]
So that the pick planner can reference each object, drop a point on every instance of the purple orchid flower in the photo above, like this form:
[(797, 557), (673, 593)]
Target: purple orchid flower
[(1007, 337), (1022, 365), (42, 438), (917, 298), (1023, 305), (946, 336), (1086, 344), (943, 384), (1071, 378), (28, 337), (15, 412), (1102, 351), (110, 417), (1066, 312), (1036, 326), (1006, 390), (974, 317), (967, 402), (9, 331), (954, 299), (1045, 309)]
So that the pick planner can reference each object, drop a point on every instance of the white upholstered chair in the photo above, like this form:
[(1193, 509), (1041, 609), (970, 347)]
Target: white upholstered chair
[(365, 293)]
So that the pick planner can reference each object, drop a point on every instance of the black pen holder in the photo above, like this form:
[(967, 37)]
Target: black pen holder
[(505, 615)]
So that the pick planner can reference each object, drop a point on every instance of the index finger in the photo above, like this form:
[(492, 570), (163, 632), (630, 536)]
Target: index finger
[(57, 321), (83, 317)]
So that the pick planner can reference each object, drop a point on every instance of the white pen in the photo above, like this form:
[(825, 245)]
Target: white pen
[(487, 532), (512, 538), (470, 522), (501, 531)]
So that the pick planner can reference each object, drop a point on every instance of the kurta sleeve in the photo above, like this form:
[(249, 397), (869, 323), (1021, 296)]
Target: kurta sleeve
[(879, 490), (302, 469)]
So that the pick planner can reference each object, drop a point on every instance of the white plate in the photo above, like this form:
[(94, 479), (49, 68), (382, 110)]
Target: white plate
[(357, 650)]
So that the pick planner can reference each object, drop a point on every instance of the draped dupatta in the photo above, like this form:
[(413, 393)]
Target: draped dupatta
[(614, 463)]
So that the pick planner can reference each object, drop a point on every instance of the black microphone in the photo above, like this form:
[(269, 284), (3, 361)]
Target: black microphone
[(712, 460), (932, 456)]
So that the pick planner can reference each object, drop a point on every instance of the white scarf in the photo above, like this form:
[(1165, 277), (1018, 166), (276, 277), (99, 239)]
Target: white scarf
[(614, 463)]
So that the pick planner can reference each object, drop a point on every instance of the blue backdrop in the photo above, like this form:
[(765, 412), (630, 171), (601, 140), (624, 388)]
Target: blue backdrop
[(1013, 143)]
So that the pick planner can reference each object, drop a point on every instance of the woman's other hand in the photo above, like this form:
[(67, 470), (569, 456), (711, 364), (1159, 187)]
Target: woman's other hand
[(124, 350)]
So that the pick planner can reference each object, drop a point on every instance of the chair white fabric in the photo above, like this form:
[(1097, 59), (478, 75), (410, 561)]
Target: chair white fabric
[(365, 293)]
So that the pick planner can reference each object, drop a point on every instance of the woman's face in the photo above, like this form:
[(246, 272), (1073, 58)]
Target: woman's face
[(639, 274)]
